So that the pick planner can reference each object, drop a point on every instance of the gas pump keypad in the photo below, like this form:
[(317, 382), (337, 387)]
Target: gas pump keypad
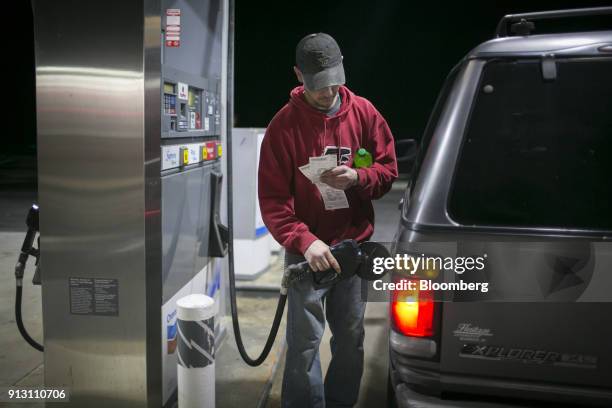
[(189, 109)]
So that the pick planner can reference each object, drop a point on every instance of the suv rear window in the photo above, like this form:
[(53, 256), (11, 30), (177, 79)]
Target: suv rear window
[(538, 153)]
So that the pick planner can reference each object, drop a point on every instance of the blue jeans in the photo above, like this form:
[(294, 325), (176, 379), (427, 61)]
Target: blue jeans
[(308, 308)]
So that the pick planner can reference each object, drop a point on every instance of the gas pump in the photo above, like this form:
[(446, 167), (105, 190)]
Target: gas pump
[(134, 108), (132, 119)]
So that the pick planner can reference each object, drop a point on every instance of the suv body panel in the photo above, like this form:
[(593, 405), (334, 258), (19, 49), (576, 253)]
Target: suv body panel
[(581, 328)]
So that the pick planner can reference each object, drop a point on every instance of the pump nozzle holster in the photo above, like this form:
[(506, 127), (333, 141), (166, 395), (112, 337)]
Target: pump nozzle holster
[(27, 248)]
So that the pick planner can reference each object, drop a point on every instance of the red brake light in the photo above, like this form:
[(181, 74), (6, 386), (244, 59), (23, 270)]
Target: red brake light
[(412, 311)]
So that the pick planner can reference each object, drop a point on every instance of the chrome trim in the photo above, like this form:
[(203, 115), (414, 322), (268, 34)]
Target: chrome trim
[(153, 198), (412, 346)]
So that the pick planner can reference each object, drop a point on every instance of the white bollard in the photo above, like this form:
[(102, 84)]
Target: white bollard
[(196, 351)]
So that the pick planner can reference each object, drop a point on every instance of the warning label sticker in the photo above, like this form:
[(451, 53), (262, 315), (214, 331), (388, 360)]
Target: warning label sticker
[(173, 28), (94, 296)]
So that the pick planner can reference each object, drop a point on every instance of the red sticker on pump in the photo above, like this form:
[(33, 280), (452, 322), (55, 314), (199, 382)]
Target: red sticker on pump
[(212, 150)]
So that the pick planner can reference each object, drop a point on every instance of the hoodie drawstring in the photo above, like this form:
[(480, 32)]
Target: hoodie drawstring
[(338, 141), (324, 136)]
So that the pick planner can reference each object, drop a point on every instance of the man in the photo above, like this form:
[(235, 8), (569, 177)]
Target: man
[(323, 117)]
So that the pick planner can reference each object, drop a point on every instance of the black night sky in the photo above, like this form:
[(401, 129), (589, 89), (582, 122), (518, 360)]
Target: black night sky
[(396, 53)]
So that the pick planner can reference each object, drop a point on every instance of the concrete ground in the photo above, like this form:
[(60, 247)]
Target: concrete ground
[(238, 385)]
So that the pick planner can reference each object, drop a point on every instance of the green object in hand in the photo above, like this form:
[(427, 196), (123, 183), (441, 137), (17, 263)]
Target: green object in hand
[(363, 158)]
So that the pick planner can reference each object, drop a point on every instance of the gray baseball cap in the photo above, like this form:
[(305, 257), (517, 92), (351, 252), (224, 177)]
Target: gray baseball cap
[(319, 58)]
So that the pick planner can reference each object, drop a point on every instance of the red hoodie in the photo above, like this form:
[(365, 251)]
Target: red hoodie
[(291, 206)]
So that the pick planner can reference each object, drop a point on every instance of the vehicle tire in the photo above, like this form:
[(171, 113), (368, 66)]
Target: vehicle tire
[(391, 398)]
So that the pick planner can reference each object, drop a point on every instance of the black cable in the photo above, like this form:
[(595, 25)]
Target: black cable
[(18, 319), (280, 307)]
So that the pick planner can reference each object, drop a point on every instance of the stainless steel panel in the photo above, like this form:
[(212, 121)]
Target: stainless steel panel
[(98, 80), (185, 227), (90, 93), (201, 31), (152, 167)]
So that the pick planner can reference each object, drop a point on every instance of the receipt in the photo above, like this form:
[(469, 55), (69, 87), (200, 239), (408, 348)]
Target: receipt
[(333, 198), (305, 169), (320, 164)]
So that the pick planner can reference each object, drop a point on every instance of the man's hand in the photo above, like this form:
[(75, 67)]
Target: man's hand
[(341, 177), (320, 258)]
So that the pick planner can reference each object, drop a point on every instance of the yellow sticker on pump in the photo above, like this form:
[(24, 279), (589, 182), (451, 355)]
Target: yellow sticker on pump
[(186, 156), (204, 153), (219, 150)]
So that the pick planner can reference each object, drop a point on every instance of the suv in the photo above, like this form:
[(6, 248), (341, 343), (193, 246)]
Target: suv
[(515, 163)]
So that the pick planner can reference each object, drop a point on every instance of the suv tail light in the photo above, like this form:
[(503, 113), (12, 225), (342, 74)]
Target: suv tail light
[(412, 311)]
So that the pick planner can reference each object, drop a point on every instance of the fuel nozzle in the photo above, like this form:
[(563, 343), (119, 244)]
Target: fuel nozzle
[(27, 247), (353, 258)]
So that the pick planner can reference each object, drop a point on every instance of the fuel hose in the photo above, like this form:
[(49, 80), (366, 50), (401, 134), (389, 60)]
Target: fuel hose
[(18, 318), (280, 307)]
